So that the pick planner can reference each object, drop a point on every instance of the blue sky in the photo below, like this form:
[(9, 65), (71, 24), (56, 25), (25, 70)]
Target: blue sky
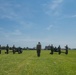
[(26, 22)]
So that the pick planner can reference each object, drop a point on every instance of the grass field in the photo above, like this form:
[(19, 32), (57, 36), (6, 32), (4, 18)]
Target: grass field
[(28, 63)]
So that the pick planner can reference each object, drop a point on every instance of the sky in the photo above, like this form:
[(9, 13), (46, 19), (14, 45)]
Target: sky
[(26, 22)]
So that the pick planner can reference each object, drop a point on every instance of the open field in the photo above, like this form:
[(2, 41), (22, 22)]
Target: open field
[(28, 63)]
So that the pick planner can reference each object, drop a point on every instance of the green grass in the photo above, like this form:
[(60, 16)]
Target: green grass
[(28, 63)]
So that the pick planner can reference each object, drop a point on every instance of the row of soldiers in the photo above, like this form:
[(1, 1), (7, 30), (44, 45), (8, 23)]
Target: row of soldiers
[(19, 49), (14, 49), (51, 48), (58, 49)]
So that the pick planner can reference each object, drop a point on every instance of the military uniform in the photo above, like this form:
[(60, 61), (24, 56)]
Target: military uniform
[(7, 49), (13, 49), (52, 49), (66, 48), (0, 49), (59, 49), (38, 49)]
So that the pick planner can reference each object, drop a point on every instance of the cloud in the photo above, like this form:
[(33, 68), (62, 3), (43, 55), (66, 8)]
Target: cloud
[(18, 38), (16, 12), (70, 16), (16, 32), (7, 11), (53, 8), (55, 4), (73, 16), (26, 25), (49, 27), (24, 40), (1, 28), (67, 16)]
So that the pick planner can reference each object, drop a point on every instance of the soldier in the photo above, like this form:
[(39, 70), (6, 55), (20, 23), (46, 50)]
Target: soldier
[(52, 49), (59, 49), (66, 48), (38, 49), (55, 49), (13, 49), (0, 49), (19, 50), (7, 49)]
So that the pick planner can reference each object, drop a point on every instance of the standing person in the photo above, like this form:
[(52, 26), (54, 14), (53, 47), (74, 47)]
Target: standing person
[(13, 49), (66, 48), (19, 50), (59, 49), (52, 49), (38, 49), (7, 49), (0, 49)]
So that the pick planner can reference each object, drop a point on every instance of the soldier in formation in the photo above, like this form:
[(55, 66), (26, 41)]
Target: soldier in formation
[(52, 49), (55, 49), (13, 49), (59, 49), (66, 48), (19, 50), (0, 49), (7, 49)]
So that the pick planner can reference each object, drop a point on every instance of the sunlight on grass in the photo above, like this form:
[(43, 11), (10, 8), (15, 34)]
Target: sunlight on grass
[(28, 63)]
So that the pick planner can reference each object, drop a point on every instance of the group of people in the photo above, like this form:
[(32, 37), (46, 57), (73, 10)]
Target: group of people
[(51, 48), (14, 49), (38, 48)]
